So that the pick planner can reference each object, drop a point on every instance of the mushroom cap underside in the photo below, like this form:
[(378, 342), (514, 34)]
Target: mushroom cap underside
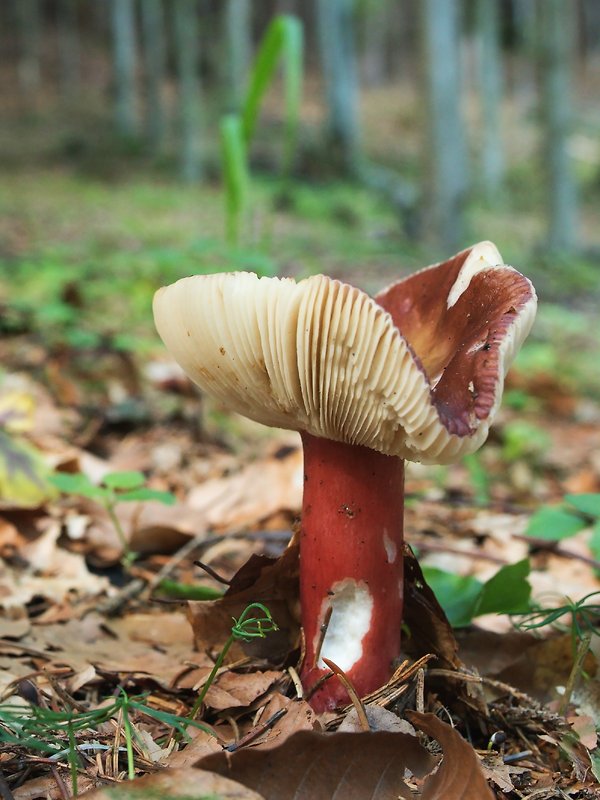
[(417, 373)]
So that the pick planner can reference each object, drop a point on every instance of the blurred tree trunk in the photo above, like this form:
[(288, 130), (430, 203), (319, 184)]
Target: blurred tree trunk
[(238, 39), (153, 30), (338, 59), (375, 24), (557, 51), (186, 52), (489, 63), (446, 149), (69, 50), (523, 84), (590, 27), (29, 23), (123, 35)]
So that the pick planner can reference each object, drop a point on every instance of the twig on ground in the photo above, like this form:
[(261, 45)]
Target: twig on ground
[(176, 559), (420, 691), (256, 732), (113, 606), (552, 547), (360, 709), (5, 792), (64, 792), (212, 572), (425, 547)]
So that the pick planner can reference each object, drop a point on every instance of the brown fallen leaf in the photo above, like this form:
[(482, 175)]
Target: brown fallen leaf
[(178, 783), (499, 773), (430, 631), (380, 719), (318, 766), (202, 744), (273, 582), (155, 646), (47, 787), (459, 776), (55, 574), (298, 716), (255, 493), (232, 690), (533, 665), (585, 728)]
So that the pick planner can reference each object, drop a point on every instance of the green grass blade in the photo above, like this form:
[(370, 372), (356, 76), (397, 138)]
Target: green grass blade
[(72, 759), (283, 41)]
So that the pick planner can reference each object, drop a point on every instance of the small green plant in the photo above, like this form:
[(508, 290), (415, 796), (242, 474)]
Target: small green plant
[(245, 628), (63, 734), (282, 41), (578, 617), (115, 487)]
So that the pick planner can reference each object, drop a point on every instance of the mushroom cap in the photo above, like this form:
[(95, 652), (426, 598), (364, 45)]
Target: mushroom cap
[(416, 373)]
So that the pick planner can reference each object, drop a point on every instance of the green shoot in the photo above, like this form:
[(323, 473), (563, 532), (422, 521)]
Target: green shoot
[(283, 41), (115, 487), (236, 175), (244, 628)]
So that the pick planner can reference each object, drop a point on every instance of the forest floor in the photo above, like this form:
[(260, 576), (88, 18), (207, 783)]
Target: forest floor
[(102, 657)]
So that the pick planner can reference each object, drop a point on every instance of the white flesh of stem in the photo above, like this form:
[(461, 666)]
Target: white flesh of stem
[(350, 621)]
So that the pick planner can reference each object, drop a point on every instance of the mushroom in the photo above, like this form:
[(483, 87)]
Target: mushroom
[(416, 373)]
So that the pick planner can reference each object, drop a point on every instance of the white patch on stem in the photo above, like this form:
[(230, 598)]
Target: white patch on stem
[(391, 548), (349, 623)]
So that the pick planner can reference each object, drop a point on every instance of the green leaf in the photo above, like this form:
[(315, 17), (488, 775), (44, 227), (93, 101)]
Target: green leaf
[(457, 594), (465, 597), (124, 480), (588, 504), (23, 474), (78, 484), (145, 493), (507, 592), (553, 524)]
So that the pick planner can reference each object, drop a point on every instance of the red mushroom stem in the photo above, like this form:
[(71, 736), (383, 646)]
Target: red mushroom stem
[(351, 561)]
